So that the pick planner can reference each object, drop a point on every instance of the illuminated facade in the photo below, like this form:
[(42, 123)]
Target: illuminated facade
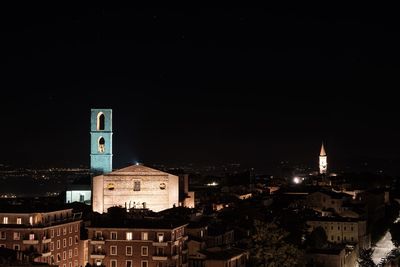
[(323, 163), (101, 140), (52, 236), (136, 186)]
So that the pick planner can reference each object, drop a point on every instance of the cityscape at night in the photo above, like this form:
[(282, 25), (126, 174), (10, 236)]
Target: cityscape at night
[(200, 138)]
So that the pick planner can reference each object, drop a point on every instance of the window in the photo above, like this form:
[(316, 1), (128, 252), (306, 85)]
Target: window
[(2, 245), (338, 227), (100, 121), (5, 220), (64, 255), (344, 238), (64, 230), (160, 237), (51, 246), (70, 253), (145, 236), (351, 228), (19, 220), (70, 241), (331, 227), (16, 247), (338, 238), (160, 251), (76, 263), (76, 239), (75, 251), (31, 236), (30, 220), (70, 228), (113, 250), (58, 257), (128, 250), (76, 227), (58, 231), (52, 233), (114, 235), (101, 145), (16, 236), (344, 228), (136, 186), (352, 239), (129, 236), (70, 264), (113, 263), (64, 242), (128, 263), (145, 251), (332, 238), (144, 264), (58, 244), (98, 235)]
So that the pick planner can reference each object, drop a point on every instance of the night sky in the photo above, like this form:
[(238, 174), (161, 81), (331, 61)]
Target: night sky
[(203, 86)]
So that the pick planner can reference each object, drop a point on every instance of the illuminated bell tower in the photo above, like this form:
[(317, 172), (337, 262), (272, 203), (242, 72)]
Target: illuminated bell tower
[(101, 140), (323, 163)]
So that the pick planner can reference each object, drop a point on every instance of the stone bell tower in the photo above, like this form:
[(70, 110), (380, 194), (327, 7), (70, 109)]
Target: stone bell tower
[(101, 141), (323, 162)]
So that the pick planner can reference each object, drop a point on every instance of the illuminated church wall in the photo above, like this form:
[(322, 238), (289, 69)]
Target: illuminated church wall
[(132, 186)]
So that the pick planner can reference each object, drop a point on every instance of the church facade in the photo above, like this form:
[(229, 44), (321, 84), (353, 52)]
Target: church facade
[(136, 186)]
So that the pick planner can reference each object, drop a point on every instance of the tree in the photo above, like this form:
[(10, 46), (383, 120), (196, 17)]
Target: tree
[(269, 248), (365, 258), (318, 238)]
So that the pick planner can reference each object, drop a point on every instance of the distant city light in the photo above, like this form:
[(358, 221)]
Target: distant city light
[(212, 184), (296, 180)]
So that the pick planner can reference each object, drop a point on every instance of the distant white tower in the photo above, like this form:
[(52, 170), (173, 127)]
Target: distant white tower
[(323, 164)]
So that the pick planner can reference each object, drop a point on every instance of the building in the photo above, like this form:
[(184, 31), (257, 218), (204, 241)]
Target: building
[(343, 230), (323, 160), (136, 186), (51, 235), (78, 193), (230, 257), (324, 201), (137, 242), (332, 256)]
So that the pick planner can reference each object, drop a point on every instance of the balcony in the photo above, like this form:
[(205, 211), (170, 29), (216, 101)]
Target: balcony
[(98, 254), (98, 240), (160, 257), (30, 242), (46, 240), (160, 244), (46, 254)]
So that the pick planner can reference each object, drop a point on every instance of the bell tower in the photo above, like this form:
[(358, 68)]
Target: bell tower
[(323, 163), (101, 140)]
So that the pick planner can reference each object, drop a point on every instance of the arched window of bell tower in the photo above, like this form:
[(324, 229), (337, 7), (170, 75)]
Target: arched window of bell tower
[(101, 145), (100, 121)]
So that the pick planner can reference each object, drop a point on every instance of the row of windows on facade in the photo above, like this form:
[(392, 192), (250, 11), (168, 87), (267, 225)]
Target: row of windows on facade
[(32, 236), (136, 186), (70, 254), (70, 264), (129, 263), (144, 251), (344, 238), (129, 236), (19, 220)]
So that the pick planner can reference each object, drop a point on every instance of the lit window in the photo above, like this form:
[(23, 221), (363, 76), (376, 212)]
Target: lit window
[(16, 235), (30, 220), (129, 236), (145, 236), (5, 220), (19, 220), (31, 236), (160, 237)]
